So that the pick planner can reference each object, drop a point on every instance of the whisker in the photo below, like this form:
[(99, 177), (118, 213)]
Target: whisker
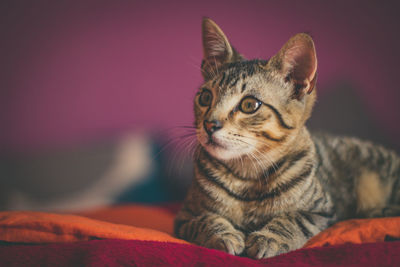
[(259, 154), (178, 154)]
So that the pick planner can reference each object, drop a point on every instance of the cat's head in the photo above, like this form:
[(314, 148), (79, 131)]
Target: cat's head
[(247, 107)]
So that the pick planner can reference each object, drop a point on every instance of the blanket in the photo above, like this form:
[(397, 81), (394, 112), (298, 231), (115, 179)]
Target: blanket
[(147, 232), (113, 252)]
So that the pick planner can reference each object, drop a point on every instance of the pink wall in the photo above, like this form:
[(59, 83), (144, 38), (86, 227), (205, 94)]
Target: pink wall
[(76, 72)]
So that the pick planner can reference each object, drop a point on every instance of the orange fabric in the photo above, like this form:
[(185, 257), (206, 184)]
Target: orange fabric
[(156, 224), (357, 231), (135, 215), (40, 227)]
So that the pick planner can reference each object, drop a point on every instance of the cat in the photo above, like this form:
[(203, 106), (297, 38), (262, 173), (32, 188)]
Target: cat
[(263, 184)]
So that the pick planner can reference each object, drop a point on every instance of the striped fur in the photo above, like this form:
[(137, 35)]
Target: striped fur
[(263, 184)]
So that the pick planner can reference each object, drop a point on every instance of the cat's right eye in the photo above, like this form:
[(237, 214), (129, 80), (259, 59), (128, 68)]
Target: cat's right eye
[(205, 98)]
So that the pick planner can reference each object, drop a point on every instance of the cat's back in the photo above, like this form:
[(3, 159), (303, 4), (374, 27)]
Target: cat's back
[(349, 153), (354, 171)]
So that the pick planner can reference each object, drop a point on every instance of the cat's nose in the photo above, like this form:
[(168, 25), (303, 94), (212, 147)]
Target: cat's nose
[(212, 126)]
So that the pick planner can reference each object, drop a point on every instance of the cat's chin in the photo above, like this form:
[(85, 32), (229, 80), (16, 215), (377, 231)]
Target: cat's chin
[(222, 152)]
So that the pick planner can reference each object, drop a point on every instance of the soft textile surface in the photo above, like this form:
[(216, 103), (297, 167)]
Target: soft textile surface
[(144, 253), (155, 224), (357, 232), (157, 218), (39, 227)]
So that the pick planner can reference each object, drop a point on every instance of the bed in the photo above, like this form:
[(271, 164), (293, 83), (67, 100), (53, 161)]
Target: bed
[(139, 235)]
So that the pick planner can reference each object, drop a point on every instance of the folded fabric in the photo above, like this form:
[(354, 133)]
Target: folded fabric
[(40, 227), (357, 231), (136, 222), (152, 217), (112, 253)]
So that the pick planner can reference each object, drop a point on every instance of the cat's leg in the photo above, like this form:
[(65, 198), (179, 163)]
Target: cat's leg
[(211, 231), (284, 233)]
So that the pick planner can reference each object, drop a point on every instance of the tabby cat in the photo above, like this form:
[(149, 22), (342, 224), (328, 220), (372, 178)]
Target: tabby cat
[(263, 184)]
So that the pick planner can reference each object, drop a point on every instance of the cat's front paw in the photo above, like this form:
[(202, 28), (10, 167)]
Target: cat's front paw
[(230, 242), (261, 245)]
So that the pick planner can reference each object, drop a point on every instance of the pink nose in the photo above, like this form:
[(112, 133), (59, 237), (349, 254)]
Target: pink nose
[(212, 126)]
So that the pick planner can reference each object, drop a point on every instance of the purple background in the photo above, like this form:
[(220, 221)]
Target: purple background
[(73, 72)]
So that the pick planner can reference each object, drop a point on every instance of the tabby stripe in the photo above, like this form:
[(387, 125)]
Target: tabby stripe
[(330, 214), (214, 211), (395, 190), (318, 152), (178, 225), (381, 160), (192, 228), (371, 154), (274, 168), (243, 87), (216, 162), (284, 228), (326, 171), (190, 211), (197, 231), (204, 191), (222, 79), (294, 159), (212, 179), (234, 82), (218, 228), (389, 167), (307, 190), (317, 191), (281, 188), (202, 227), (279, 116), (277, 191), (308, 217), (278, 232), (302, 227), (266, 135), (232, 235), (317, 202), (229, 78), (186, 228)]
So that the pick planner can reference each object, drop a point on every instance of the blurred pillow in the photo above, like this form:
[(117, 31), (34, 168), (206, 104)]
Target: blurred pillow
[(84, 177)]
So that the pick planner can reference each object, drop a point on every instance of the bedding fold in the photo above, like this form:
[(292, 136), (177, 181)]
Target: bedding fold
[(145, 223), (111, 253), (40, 227)]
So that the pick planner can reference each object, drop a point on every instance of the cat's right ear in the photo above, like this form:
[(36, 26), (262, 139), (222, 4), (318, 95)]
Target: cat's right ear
[(216, 49)]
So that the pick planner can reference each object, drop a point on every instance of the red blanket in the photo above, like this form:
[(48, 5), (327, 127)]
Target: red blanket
[(150, 253), (74, 241)]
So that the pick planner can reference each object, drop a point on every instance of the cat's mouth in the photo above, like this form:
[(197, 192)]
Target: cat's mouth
[(217, 145), (214, 143)]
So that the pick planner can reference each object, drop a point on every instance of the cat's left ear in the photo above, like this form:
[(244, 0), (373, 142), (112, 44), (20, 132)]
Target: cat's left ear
[(216, 49), (297, 62)]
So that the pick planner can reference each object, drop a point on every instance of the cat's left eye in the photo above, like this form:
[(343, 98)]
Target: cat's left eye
[(249, 105)]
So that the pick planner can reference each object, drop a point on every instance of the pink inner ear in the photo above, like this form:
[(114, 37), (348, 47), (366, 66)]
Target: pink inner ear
[(215, 46), (300, 60)]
